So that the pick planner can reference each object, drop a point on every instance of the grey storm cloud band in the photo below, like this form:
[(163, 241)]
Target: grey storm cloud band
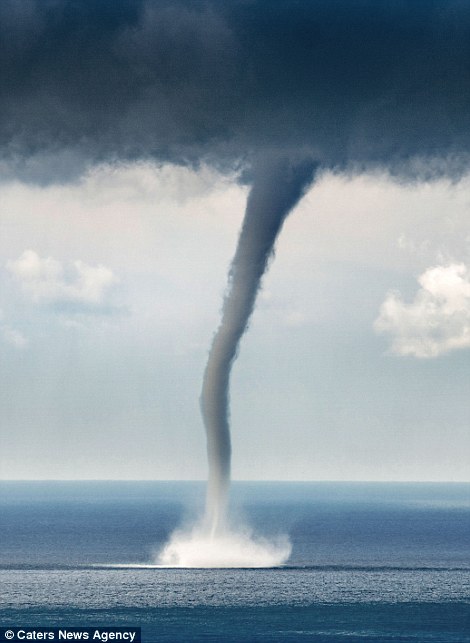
[(350, 83)]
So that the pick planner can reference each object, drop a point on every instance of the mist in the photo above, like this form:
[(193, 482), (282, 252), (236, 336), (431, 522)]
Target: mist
[(234, 547)]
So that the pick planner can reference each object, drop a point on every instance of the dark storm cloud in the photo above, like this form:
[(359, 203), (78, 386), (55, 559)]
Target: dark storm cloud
[(352, 83)]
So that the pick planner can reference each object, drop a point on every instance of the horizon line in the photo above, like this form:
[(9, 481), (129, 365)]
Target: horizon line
[(250, 480)]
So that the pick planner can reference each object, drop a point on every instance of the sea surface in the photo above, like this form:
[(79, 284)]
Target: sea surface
[(370, 562)]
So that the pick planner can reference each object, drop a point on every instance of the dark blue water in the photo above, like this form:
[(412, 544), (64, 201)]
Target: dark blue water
[(370, 562)]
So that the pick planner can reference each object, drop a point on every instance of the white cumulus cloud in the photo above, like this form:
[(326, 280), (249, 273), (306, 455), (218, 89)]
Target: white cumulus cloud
[(48, 280), (437, 321)]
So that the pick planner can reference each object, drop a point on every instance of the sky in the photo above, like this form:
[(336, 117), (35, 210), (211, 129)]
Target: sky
[(124, 178), (355, 365)]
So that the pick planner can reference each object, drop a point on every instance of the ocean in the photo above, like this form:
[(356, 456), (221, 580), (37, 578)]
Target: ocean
[(370, 561)]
